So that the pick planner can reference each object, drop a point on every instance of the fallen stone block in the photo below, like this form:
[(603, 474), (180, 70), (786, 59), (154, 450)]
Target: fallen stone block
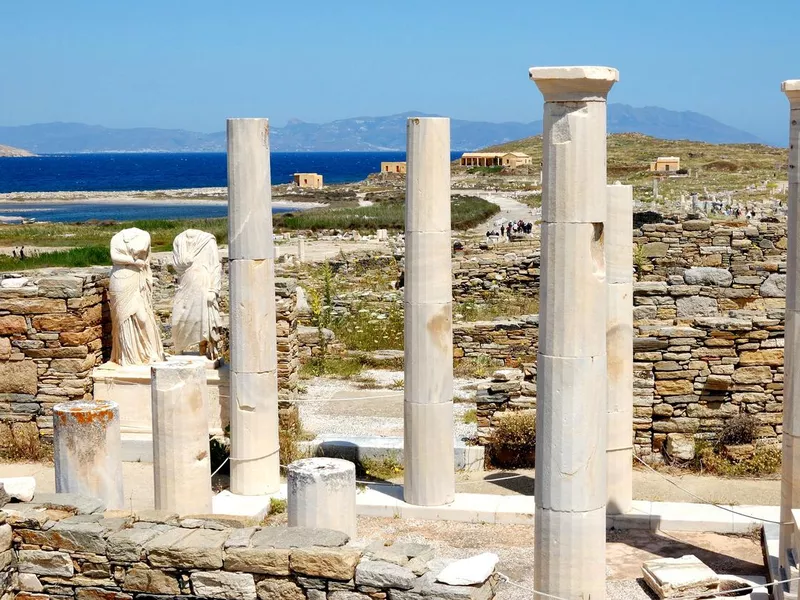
[(678, 577)]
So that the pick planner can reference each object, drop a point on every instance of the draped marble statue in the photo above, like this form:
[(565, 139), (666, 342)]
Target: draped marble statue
[(195, 311), (135, 332)]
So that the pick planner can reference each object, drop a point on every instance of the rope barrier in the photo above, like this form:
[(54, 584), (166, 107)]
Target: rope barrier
[(703, 500), (506, 579)]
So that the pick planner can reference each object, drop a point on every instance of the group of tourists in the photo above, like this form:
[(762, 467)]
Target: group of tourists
[(512, 228)]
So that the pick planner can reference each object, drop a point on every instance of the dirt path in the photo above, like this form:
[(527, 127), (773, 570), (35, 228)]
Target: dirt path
[(510, 209)]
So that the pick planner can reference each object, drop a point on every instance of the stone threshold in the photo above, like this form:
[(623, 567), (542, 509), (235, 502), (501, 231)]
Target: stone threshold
[(380, 500)]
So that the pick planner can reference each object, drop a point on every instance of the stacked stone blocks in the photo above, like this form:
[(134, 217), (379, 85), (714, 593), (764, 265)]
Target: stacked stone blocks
[(54, 326), (68, 548)]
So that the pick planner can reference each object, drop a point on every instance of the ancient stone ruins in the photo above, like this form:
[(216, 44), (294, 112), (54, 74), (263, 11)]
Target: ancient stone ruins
[(611, 367)]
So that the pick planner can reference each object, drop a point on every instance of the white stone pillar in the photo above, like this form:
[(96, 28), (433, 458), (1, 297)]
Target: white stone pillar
[(301, 250), (570, 489), (255, 466), (790, 479), (322, 494), (618, 234), (87, 451), (428, 450), (181, 462)]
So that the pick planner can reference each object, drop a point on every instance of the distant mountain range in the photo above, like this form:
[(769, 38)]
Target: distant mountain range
[(363, 134)]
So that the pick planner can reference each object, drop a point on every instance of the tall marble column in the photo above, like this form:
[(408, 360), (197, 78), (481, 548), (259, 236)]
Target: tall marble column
[(790, 480), (428, 450), (570, 489), (255, 466), (619, 346)]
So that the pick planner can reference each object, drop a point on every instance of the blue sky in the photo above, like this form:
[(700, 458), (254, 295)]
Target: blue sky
[(190, 64)]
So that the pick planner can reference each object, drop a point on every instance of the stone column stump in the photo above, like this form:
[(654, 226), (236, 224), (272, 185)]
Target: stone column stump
[(87, 451), (322, 494)]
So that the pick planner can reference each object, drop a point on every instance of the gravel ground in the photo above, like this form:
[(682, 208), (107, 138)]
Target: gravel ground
[(341, 407)]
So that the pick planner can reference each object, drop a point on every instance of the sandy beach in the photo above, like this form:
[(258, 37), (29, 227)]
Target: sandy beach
[(180, 196)]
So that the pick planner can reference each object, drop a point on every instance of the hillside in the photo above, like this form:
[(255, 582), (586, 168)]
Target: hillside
[(360, 134), (716, 167), (8, 151)]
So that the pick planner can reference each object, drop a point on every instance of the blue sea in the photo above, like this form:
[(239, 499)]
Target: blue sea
[(158, 171)]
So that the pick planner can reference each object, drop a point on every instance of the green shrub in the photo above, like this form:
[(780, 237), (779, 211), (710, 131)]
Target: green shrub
[(739, 430), (471, 416), (513, 442), (766, 460)]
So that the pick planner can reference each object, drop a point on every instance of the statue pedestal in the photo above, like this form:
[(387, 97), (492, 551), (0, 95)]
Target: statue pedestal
[(129, 387)]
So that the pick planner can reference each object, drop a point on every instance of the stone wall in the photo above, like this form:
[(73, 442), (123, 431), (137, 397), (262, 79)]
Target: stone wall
[(690, 375), (54, 327), (694, 376), (506, 342), (77, 552)]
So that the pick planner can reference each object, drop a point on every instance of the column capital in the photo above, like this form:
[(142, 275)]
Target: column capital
[(792, 90), (574, 84)]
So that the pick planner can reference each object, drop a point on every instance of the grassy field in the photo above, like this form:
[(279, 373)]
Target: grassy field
[(87, 256), (467, 212), (162, 232), (714, 167)]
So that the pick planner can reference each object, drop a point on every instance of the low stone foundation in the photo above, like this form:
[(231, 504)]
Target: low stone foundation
[(62, 546)]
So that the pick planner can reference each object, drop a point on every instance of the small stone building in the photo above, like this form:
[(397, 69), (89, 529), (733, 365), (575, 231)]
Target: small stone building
[(308, 180), (394, 167), (495, 159), (666, 164)]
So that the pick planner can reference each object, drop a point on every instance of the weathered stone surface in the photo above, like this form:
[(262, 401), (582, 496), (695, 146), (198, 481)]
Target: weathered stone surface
[(679, 577), (696, 306), (6, 537), (674, 387), (680, 446), (773, 358), (752, 375), (13, 324), (298, 537), (654, 249), (32, 306), (153, 581), (774, 286), (100, 594), (331, 563), (708, 276), (381, 574), (268, 561), (187, 548), (230, 586), (276, 589), (18, 377), (48, 564), (696, 225), (127, 545), (344, 595), (60, 287), (28, 582)]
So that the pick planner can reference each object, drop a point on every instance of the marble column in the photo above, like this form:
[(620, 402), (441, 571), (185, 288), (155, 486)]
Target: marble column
[(428, 406), (181, 462), (790, 480), (321, 493), (570, 489), (87, 448), (301, 250), (255, 465), (619, 346)]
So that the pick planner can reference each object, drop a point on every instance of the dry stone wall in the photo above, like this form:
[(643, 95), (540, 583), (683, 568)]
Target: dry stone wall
[(66, 547), (54, 327)]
